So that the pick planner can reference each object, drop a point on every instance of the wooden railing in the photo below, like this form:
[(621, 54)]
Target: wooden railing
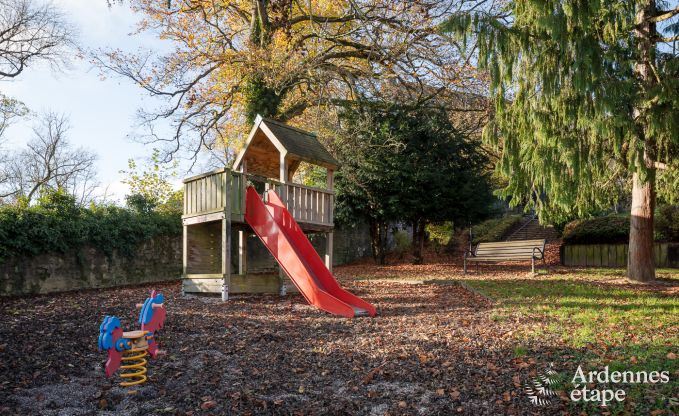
[(307, 204), (207, 193)]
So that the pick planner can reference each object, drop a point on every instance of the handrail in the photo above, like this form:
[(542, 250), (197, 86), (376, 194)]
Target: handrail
[(260, 178), (532, 218), (204, 175), (311, 188)]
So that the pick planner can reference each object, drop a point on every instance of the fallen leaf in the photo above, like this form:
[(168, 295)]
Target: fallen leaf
[(371, 374), (210, 404)]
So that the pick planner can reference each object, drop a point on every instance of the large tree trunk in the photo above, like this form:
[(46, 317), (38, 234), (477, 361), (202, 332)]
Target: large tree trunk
[(641, 260), (418, 241), (378, 241)]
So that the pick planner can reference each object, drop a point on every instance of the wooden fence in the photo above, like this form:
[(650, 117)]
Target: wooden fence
[(615, 255)]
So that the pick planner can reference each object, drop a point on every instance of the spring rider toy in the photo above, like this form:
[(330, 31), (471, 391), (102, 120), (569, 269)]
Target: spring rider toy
[(131, 347)]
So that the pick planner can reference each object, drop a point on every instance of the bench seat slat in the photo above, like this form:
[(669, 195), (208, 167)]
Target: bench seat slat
[(498, 258), (516, 242), (523, 243), (507, 251), (523, 250), (484, 247)]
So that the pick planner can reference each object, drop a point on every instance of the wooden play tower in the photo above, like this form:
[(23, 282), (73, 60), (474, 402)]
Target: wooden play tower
[(214, 208)]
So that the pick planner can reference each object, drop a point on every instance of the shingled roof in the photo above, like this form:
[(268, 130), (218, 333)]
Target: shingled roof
[(295, 143)]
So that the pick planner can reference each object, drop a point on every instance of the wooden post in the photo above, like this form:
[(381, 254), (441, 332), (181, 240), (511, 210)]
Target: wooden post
[(242, 252), (185, 254), (283, 178), (226, 237), (331, 200), (242, 235), (329, 236), (328, 251), (330, 179), (244, 185)]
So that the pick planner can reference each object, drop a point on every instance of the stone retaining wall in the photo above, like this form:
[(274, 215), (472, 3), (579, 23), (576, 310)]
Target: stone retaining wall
[(156, 260)]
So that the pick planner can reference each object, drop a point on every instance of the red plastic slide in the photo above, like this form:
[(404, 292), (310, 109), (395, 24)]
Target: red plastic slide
[(285, 240)]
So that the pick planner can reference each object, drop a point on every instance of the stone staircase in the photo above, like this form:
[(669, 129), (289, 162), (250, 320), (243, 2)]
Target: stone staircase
[(530, 229)]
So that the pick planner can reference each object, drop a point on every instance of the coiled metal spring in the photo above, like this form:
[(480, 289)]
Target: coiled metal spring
[(134, 366)]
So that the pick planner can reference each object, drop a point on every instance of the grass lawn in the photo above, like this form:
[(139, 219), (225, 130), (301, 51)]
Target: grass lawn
[(596, 319)]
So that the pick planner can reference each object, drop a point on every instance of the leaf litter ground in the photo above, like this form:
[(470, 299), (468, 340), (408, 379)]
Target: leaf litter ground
[(435, 348)]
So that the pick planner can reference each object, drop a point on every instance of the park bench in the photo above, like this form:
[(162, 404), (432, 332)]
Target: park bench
[(500, 251)]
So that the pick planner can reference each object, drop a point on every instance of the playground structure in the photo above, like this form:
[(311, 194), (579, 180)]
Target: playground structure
[(225, 202), (131, 348)]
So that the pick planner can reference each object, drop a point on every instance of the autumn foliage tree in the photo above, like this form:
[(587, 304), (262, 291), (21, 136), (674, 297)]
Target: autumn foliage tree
[(151, 186), (233, 59)]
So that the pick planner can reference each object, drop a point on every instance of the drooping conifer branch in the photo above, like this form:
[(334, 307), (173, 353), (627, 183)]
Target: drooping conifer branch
[(664, 15)]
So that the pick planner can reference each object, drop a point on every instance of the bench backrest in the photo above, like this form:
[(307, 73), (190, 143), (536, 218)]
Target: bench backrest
[(511, 249)]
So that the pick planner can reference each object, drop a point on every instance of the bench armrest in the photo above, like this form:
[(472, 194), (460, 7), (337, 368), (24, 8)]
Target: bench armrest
[(542, 253), (469, 253)]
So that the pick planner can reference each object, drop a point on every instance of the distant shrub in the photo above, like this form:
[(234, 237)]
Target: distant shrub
[(57, 224), (494, 229), (440, 235), (614, 229), (609, 229), (402, 243), (667, 223)]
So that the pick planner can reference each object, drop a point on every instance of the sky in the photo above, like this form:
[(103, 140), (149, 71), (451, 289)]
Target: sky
[(101, 110)]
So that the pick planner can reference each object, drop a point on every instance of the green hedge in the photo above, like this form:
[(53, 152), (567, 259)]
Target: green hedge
[(494, 229), (613, 229), (667, 223), (610, 229), (56, 224)]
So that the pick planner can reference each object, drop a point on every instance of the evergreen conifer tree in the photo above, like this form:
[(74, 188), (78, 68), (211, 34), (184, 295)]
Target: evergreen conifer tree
[(585, 92)]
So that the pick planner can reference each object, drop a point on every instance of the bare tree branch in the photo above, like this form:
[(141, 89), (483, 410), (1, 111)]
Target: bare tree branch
[(49, 161), (30, 33)]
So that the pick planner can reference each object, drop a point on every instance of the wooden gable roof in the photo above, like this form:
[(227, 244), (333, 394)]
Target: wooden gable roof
[(294, 143)]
